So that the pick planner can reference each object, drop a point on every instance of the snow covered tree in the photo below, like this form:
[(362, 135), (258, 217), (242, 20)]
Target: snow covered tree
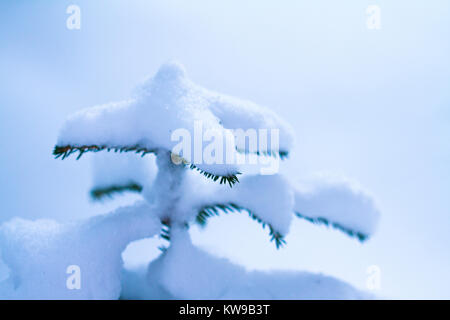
[(170, 101), (181, 189)]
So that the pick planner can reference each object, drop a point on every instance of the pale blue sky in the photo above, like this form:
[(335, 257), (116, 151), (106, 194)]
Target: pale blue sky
[(371, 105)]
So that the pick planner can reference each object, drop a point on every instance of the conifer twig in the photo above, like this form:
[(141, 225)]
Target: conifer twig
[(213, 210), (65, 151), (323, 221), (101, 193)]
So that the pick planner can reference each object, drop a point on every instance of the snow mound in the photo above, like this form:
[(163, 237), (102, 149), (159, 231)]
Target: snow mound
[(186, 272), (163, 105), (39, 254)]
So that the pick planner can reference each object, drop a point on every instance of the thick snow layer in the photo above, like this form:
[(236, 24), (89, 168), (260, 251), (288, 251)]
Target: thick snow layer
[(165, 103), (111, 169), (39, 253), (273, 199), (240, 114), (270, 198), (339, 202), (187, 272)]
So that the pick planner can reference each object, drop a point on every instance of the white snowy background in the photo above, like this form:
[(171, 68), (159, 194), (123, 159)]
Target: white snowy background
[(370, 105)]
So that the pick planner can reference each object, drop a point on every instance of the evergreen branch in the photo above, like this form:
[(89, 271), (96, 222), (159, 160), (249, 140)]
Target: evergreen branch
[(101, 193), (281, 153), (323, 221), (231, 179), (65, 151), (214, 210)]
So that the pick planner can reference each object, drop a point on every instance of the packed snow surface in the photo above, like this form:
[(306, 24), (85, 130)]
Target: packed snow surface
[(39, 254)]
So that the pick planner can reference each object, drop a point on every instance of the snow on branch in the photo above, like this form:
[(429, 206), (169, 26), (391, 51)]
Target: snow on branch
[(267, 199), (243, 116), (338, 204), (209, 211), (66, 151), (164, 105), (230, 179)]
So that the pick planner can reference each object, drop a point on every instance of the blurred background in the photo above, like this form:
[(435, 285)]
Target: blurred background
[(372, 105)]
